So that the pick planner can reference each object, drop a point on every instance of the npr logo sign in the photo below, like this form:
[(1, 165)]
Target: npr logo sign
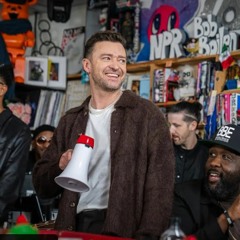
[(168, 44)]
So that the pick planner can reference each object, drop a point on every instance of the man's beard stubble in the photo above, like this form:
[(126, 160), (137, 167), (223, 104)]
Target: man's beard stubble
[(226, 189)]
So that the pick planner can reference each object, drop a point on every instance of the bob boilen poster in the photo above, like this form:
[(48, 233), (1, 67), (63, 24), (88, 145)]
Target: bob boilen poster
[(159, 16)]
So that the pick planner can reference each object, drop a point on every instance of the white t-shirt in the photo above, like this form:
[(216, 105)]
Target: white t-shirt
[(98, 127)]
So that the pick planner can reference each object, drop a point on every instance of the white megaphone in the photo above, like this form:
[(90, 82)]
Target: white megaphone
[(75, 175)]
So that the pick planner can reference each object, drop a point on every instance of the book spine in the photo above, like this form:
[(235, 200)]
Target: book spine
[(227, 114), (158, 86), (233, 110)]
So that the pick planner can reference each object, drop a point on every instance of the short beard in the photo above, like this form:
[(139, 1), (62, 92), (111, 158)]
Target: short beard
[(226, 189), (101, 84)]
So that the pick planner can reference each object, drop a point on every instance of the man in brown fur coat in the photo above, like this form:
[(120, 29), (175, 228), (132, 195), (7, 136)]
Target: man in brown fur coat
[(131, 172)]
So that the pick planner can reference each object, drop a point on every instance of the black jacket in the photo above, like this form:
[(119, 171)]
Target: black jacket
[(15, 139), (190, 164), (198, 212)]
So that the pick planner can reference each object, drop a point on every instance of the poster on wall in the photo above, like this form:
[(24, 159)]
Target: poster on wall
[(227, 11), (158, 16), (72, 46)]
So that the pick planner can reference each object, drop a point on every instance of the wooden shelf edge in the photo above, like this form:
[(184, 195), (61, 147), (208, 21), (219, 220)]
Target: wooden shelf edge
[(166, 104), (170, 103), (145, 66), (74, 76), (231, 91), (138, 67)]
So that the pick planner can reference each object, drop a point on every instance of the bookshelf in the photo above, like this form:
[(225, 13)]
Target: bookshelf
[(51, 106), (219, 117), (150, 66)]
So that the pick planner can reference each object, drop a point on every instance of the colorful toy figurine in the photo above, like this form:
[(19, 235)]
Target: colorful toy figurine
[(16, 32), (22, 227)]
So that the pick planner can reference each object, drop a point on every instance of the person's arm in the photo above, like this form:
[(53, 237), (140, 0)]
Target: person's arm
[(191, 222), (230, 215), (12, 176), (159, 182)]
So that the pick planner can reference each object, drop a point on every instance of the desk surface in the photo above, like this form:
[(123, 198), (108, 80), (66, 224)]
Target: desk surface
[(70, 235)]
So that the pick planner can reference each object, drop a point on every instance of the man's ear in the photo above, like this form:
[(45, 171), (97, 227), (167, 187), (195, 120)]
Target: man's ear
[(86, 65), (193, 125)]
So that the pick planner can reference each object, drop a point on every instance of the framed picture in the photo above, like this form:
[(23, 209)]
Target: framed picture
[(36, 71), (72, 46), (57, 73)]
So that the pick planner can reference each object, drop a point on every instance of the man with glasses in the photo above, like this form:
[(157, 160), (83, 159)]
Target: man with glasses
[(15, 139), (190, 154)]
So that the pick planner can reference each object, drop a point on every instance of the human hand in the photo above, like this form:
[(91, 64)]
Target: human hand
[(65, 158), (234, 209)]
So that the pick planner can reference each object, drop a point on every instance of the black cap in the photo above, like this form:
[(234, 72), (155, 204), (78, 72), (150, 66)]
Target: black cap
[(228, 136), (42, 128)]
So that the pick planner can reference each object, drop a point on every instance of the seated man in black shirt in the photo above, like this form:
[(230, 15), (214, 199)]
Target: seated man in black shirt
[(210, 208), (190, 154)]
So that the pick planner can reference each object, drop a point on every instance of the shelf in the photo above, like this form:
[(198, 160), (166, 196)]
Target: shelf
[(170, 103), (166, 104), (231, 91), (74, 76), (138, 67), (145, 66)]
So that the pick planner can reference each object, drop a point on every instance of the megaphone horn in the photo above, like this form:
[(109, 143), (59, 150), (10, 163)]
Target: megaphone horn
[(75, 175)]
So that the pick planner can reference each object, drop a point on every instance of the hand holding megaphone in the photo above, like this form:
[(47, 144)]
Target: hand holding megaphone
[(75, 174), (65, 158)]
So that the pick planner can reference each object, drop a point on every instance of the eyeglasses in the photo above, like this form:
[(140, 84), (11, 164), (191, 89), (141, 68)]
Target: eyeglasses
[(42, 140)]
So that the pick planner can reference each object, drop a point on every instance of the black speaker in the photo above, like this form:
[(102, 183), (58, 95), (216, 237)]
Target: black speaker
[(59, 10)]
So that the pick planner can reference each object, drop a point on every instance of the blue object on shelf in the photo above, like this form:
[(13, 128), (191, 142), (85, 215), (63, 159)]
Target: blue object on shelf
[(231, 84)]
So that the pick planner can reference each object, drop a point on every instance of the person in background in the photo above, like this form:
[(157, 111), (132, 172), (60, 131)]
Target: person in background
[(41, 138), (209, 208), (131, 172), (190, 154), (15, 140)]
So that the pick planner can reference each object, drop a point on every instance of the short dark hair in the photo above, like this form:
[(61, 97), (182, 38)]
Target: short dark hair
[(42, 128), (6, 74), (191, 110), (101, 36)]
